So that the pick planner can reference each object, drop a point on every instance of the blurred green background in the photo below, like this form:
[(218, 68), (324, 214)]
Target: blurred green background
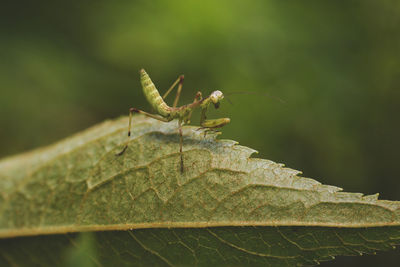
[(67, 65)]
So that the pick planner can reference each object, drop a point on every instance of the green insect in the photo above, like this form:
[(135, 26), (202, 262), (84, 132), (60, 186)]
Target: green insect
[(182, 113)]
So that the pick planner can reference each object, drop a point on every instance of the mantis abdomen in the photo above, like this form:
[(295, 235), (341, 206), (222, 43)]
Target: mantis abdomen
[(153, 96)]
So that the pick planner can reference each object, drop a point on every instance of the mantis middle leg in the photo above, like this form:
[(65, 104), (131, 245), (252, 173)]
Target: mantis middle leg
[(135, 110), (180, 143)]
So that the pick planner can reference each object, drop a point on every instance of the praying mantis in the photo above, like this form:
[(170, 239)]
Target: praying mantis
[(182, 113)]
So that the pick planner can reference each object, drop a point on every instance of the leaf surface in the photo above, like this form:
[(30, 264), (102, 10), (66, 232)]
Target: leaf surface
[(227, 208)]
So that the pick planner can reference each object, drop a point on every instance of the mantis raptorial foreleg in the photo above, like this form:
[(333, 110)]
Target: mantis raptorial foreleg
[(212, 124), (135, 110), (198, 97)]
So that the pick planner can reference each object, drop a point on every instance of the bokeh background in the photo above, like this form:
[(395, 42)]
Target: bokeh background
[(327, 73)]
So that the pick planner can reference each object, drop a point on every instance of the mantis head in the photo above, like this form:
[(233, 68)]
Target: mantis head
[(216, 97)]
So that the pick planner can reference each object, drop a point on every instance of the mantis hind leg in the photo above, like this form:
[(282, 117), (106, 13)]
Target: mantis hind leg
[(135, 110), (178, 81)]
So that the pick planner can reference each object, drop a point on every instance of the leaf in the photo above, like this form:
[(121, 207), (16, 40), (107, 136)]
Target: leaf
[(225, 209)]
